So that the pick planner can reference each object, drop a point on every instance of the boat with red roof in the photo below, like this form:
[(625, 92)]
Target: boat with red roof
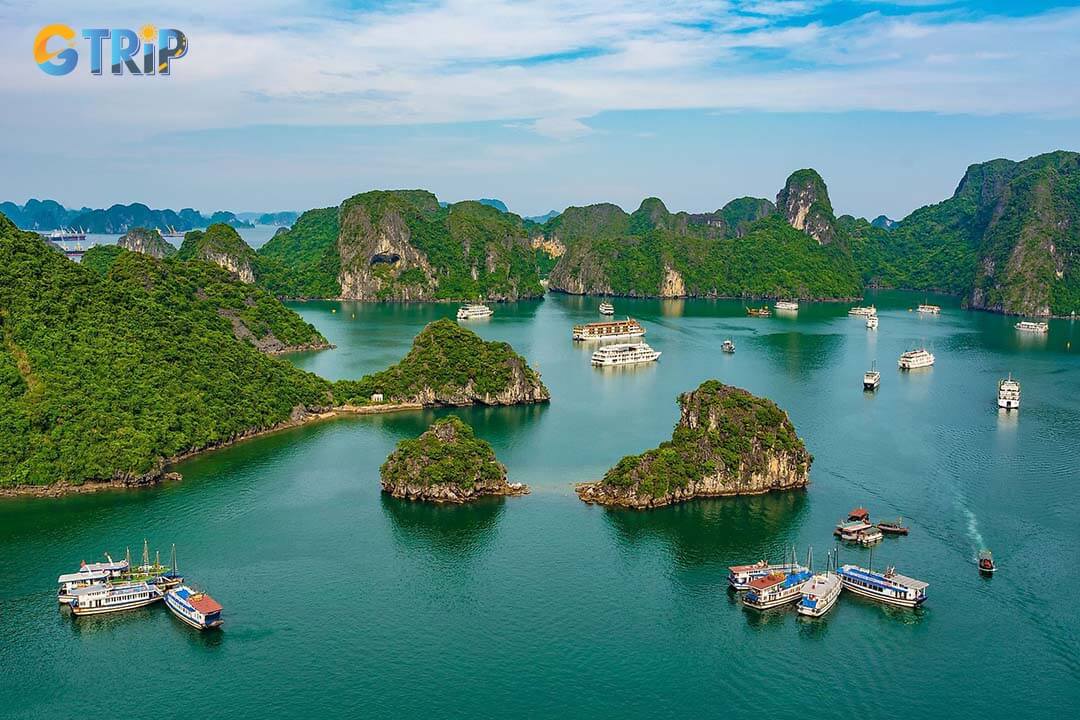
[(778, 588), (197, 609)]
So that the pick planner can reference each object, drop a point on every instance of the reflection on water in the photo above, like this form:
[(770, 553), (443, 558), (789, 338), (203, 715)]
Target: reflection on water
[(715, 531), (800, 353), (444, 529), (673, 307)]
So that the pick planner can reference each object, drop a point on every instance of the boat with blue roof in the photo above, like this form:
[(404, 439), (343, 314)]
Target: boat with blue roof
[(778, 588), (197, 609), (889, 587), (821, 593), (740, 576)]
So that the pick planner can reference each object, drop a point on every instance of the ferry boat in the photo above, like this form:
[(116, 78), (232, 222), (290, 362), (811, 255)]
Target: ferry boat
[(786, 305), (1033, 327), (108, 598), (896, 527), (986, 562), (929, 309), (727, 346), (610, 330), (740, 576), (871, 379), (821, 592), (624, 354), (888, 587), (70, 582), (762, 311), (65, 235), (473, 311), (915, 359), (776, 589), (607, 308), (1008, 394), (862, 311), (871, 322), (197, 609)]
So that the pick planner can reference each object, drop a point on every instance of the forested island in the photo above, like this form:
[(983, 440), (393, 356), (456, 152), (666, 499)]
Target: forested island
[(446, 464), (113, 368), (727, 442)]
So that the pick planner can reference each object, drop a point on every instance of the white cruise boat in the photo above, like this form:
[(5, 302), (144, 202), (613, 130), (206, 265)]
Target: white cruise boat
[(821, 592), (871, 379), (776, 589), (107, 598), (624, 354), (739, 576), (871, 322), (915, 359), (609, 330), (888, 587), (786, 305), (727, 346), (607, 308), (929, 309), (70, 582), (1032, 327), (473, 311), (1008, 394), (862, 311)]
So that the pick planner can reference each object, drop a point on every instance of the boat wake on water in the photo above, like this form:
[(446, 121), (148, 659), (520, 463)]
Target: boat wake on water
[(973, 530)]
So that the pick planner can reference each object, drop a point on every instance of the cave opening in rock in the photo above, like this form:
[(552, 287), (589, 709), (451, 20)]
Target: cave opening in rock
[(387, 258)]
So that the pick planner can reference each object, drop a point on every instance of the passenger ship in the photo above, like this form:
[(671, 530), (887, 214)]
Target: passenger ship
[(863, 311), (871, 322), (88, 574), (889, 587), (776, 589), (786, 305), (871, 379), (740, 576), (107, 598), (1008, 394), (929, 309), (624, 354), (607, 308), (470, 312), (820, 594), (1033, 327), (197, 609), (611, 330), (915, 359)]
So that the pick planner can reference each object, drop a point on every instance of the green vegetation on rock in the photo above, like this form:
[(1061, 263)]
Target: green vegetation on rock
[(450, 365), (303, 262), (447, 453)]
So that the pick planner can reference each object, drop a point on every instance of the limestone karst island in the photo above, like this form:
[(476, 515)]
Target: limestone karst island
[(499, 359)]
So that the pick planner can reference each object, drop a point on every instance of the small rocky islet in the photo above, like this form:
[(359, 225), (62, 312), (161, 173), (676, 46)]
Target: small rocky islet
[(447, 463), (727, 442)]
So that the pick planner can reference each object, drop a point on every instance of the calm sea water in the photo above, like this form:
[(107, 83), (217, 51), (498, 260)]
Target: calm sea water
[(343, 603)]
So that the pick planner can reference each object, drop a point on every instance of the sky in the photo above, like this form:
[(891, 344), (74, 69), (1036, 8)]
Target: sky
[(287, 105)]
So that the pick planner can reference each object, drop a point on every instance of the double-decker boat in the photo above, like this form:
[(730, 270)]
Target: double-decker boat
[(1008, 394), (70, 582), (1032, 327), (607, 308), (821, 592), (473, 311), (862, 311), (929, 309), (789, 305), (859, 531), (776, 589), (197, 609), (610, 330), (871, 322), (624, 354), (108, 597), (740, 576), (888, 587), (762, 311), (727, 346), (65, 235), (915, 359), (871, 379)]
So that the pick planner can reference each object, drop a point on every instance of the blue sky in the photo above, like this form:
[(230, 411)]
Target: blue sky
[(291, 105)]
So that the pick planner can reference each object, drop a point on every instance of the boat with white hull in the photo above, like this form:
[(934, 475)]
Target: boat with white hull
[(1008, 397), (925, 309), (776, 589), (787, 305), (888, 587), (474, 312), (197, 609), (109, 598), (607, 308), (610, 330), (1032, 327), (821, 592), (871, 379), (70, 582), (740, 576), (624, 354), (871, 322), (860, 311), (915, 359)]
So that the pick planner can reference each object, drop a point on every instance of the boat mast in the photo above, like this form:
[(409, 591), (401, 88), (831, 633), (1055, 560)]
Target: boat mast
[(174, 558)]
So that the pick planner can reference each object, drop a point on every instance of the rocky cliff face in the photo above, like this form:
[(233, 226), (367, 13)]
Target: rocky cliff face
[(446, 464), (727, 442), (146, 241), (804, 202), (223, 246)]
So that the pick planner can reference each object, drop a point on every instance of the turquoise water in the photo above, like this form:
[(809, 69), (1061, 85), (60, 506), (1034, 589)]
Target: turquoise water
[(340, 602)]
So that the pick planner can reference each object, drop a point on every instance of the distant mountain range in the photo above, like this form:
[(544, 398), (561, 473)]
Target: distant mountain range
[(44, 215)]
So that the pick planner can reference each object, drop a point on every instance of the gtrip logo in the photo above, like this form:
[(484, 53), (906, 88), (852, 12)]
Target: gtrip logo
[(150, 51)]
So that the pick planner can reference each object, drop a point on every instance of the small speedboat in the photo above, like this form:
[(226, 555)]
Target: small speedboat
[(727, 346), (986, 562), (197, 609)]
